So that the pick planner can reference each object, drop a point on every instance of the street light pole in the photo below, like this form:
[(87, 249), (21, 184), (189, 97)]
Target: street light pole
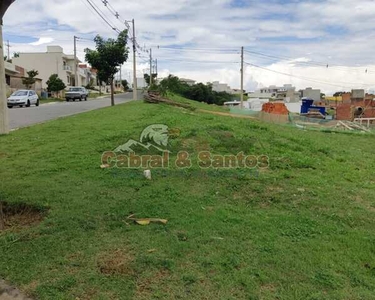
[(4, 122)]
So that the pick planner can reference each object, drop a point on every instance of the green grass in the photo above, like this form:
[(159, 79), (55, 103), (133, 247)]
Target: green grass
[(196, 104), (97, 95), (50, 100), (303, 229)]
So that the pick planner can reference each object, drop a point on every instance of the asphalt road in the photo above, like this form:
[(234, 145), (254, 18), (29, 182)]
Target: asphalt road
[(27, 116)]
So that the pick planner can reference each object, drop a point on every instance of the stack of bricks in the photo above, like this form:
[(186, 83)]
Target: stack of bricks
[(275, 108)]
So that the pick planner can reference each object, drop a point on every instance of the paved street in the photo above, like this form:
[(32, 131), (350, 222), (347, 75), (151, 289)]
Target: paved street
[(26, 116)]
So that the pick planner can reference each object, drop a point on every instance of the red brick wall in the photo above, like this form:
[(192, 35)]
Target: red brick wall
[(346, 97), (345, 111)]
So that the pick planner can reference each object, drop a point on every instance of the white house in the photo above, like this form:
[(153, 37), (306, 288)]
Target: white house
[(221, 87), (286, 93), (54, 61), (189, 82)]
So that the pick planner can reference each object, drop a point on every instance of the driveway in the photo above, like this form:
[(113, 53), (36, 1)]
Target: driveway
[(26, 116)]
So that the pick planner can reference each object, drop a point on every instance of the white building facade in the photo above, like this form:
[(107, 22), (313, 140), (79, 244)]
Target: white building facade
[(54, 61)]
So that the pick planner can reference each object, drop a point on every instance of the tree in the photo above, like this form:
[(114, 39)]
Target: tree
[(30, 80), (147, 78), (338, 94), (16, 54), (55, 84), (125, 84), (198, 92), (108, 57)]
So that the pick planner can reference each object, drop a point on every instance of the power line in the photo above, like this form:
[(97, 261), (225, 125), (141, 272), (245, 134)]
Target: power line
[(311, 63), (114, 12), (304, 78), (100, 14), (222, 50), (265, 55), (201, 61)]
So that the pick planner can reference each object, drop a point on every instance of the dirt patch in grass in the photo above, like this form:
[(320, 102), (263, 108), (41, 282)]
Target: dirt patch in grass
[(118, 262), (363, 203), (19, 216), (8, 292), (146, 286)]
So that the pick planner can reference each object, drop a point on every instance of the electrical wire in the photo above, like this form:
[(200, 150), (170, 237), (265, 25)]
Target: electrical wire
[(215, 50), (305, 78), (201, 61), (310, 63), (100, 14), (123, 21)]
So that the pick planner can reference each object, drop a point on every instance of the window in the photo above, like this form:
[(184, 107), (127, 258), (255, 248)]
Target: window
[(20, 93), (75, 89)]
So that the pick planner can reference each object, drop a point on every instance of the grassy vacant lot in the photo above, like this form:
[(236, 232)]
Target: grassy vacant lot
[(197, 105), (303, 229)]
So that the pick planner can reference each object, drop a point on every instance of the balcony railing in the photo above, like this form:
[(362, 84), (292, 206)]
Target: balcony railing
[(67, 68)]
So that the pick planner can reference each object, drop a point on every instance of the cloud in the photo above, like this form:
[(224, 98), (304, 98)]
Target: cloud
[(42, 41), (291, 35)]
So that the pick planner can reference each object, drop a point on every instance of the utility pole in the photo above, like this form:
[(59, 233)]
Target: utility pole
[(156, 61), (241, 77), (135, 87), (4, 122), (75, 61), (150, 67), (8, 46)]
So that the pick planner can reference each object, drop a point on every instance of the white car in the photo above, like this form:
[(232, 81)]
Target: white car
[(23, 97), (74, 93)]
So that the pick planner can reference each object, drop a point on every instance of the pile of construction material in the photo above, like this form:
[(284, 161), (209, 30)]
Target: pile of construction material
[(156, 98), (351, 126)]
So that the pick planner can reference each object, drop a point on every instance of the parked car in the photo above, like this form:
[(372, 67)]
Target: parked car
[(79, 93), (23, 98)]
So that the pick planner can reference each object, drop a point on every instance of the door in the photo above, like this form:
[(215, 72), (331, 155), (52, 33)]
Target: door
[(35, 97), (32, 97)]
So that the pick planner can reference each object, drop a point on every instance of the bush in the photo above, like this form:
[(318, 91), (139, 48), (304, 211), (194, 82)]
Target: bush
[(199, 92)]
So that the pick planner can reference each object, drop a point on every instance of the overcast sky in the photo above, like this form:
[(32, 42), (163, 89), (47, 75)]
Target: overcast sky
[(326, 44)]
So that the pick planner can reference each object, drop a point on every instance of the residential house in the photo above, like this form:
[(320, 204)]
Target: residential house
[(90, 75), (221, 87), (189, 82), (14, 76), (356, 104), (54, 61), (311, 93), (10, 71), (286, 93)]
